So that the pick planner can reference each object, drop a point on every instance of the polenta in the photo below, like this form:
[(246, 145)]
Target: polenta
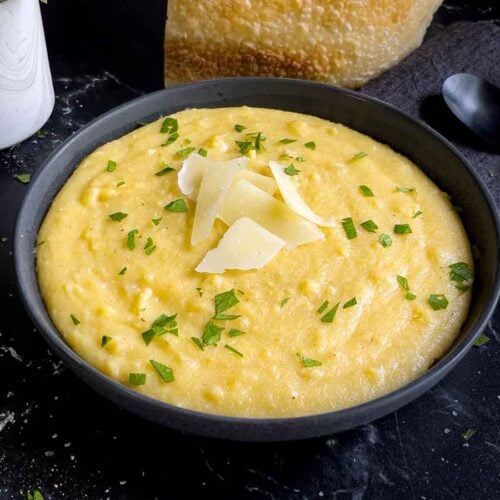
[(326, 269)]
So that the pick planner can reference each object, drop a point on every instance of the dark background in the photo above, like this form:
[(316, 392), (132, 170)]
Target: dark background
[(58, 435)]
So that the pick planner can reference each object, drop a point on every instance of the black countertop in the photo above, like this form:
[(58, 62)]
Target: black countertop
[(58, 435)]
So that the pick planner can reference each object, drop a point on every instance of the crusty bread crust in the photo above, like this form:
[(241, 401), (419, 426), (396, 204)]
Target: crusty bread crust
[(344, 42)]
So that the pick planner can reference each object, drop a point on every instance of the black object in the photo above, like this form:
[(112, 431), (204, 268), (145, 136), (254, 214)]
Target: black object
[(437, 158), (476, 103)]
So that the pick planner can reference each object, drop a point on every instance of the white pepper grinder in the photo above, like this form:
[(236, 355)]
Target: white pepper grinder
[(26, 91)]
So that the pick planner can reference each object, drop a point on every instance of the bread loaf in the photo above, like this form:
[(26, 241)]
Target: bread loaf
[(344, 42)]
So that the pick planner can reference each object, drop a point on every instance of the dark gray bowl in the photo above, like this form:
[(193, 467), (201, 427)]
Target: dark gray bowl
[(437, 158)]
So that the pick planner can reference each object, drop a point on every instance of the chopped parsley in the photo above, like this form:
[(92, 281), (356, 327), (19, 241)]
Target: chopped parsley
[(233, 350), (462, 274), (211, 333), (410, 296), (291, 170), (310, 145), (137, 378), (123, 271), (36, 494), (284, 300), (406, 190), (308, 362), (184, 153), (369, 226), (403, 282), (198, 342), (244, 146), (171, 139), (164, 171), (203, 152), (41, 134), (349, 228), (402, 229), (165, 372), (121, 183), (118, 216), (24, 178), (156, 221), (366, 191), (300, 159), (149, 247), (239, 128), (323, 306), (416, 214), (481, 340), (105, 340), (223, 302), (176, 206), (358, 156), (169, 126), (287, 141), (385, 240), (111, 166), (466, 435), (234, 332), (131, 238), (438, 301), (200, 292), (330, 315), (350, 303), (75, 320), (161, 325)]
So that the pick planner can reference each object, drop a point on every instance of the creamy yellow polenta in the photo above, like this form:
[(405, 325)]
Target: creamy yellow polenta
[(89, 276)]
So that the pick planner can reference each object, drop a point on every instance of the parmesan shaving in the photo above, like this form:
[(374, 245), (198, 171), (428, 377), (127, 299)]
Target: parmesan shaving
[(243, 199), (292, 197), (245, 245)]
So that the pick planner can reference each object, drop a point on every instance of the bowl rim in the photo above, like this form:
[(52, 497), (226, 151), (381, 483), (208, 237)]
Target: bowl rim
[(55, 340)]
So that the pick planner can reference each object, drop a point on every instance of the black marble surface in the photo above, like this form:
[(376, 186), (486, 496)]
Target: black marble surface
[(59, 436)]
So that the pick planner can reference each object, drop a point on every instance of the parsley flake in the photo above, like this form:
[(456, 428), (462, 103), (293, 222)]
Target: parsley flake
[(156, 221), (224, 301), (323, 306), (203, 152), (308, 362), (169, 126), (358, 156), (330, 315), (111, 167), (239, 128), (233, 350), (24, 178), (149, 247), (403, 282), (123, 271), (385, 240), (410, 296), (184, 153), (349, 228), (164, 171), (171, 139), (416, 214), (366, 191), (118, 216), (105, 340), (369, 226), (75, 320), (291, 170), (176, 206), (234, 332), (462, 274), (287, 141), (310, 145), (438, 301), (481, 340), (402, 229), (36, 494), (350, 303), (137, 378), (284, 300), (131, 238), (165, 372), (466, 435), (211, 333)]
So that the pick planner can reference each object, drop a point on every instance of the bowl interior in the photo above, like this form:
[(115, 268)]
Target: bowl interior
[(382, 122)]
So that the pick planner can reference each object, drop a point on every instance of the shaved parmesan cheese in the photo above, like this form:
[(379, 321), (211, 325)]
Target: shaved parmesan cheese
[(193, 168), (214, 185), (292, 198), (245, 245), (243, 199), (267, 184), (191, 173)]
